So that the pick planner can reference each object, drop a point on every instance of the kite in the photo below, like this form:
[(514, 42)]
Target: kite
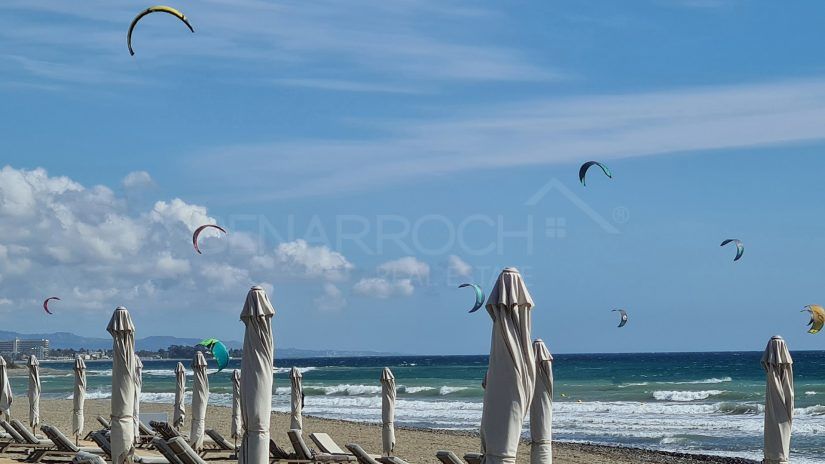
[(218, 350), (817, 318), (198, 232), (46, 303), (479, 296), (154, 9), (740, 247), (586, 166), (624, 316)]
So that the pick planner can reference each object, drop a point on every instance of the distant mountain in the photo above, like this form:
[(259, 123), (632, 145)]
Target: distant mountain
[(66, 340)]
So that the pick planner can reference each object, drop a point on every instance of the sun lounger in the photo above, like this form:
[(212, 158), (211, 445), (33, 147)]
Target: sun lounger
[(326, 444), (448, 457), (302, 451), (63, 447), (362, 456), (221, 442), (366, 458), (27, 435), (165, 431), (184, 452), (14, 438), (106, 446), (87, 458), (473, 458), (104, 423), (163, 448), (146, 434)]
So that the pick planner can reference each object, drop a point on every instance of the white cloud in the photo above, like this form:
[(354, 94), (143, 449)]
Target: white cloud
[(537, 132), (332, 298), (169, 266), (396, 277), (383, 45), (137, 179), (313, 261), (178, 213), (377, 287), (88, 246), (457, 267), (408, 266)]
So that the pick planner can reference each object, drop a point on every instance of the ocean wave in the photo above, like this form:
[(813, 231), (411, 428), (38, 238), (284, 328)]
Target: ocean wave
[(302, 370), (740, 408), (413, 390), (343, 390), (445, 390), (810, 393), (704, 381), (817, 410), (685, 396), (709, 381)]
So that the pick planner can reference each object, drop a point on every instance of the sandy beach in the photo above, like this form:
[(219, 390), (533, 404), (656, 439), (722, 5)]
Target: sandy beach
[(414, 446)]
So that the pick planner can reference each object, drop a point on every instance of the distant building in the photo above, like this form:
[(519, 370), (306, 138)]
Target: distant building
[(17, 348)]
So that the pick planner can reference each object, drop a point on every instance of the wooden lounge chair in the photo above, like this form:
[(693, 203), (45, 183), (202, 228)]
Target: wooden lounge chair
[(14, 440), (184, 452), (107, 425), (366, 458), (163, 448), (448, 457), (105, 445), (473, 458), (27, 435), (87, 458), (63, 447), (222, 443), (165, 431), (146, 434), (302, 451)]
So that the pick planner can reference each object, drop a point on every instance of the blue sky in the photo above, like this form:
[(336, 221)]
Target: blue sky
[(369, 157)]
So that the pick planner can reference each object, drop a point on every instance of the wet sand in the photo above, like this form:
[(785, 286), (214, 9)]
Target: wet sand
[(414, 446)]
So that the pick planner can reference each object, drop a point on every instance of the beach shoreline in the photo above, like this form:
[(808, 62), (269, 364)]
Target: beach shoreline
[(415, 445)]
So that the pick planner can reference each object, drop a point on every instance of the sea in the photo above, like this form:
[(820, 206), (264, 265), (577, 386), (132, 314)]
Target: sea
[(708, 403)]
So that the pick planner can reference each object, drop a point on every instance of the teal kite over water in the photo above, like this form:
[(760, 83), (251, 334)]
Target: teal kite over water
[(479, 295), (218, 350), (740, 247), (586, 166)]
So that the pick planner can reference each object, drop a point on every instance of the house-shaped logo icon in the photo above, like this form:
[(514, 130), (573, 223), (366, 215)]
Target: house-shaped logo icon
[(555, 185)]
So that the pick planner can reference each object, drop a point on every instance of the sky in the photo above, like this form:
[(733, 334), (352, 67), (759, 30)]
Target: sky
[(368, 157)]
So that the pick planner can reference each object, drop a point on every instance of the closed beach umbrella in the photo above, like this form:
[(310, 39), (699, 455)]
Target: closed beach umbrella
[(6, 397), (179, 413), (779, 399), (122, 436), (541, 408), (79, 396), (237, 422), (388, 411), (511, 373), (34, 391), (138, 389), (200, 398), (297, 400), (256, 377)]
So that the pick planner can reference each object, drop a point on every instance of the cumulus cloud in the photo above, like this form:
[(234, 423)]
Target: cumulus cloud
[(137, 179), (458, 267), (397, 277), (92, 248), (313, 261), (406, 267), (378, 287), (332, 298)]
